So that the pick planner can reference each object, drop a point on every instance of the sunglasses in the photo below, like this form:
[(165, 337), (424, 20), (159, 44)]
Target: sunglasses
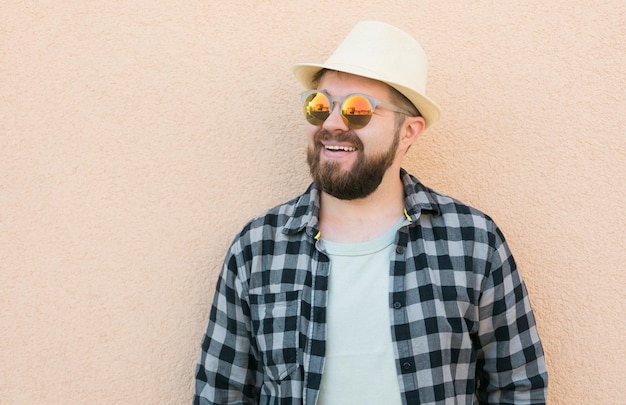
[(356, 109)]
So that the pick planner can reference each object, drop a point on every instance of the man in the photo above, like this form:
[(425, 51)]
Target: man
[(370, 288)]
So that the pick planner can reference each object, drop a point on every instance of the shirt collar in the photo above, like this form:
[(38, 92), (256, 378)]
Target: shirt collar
[(417, 197), (305, 215)]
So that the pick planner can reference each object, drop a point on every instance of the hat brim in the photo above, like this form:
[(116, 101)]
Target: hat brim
[(305, 72)]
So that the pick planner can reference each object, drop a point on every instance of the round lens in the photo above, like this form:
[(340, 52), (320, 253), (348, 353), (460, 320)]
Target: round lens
[(316, 108), (356, 111)]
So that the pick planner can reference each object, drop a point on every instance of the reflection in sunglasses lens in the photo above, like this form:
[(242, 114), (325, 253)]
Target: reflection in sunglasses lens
[(357, 111), (316, 108)]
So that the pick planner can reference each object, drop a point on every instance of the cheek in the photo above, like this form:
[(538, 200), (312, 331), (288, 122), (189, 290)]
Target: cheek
[(373, 140), (310, 132)]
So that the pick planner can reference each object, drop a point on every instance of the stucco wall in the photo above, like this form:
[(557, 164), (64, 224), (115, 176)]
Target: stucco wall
[(137, 137)]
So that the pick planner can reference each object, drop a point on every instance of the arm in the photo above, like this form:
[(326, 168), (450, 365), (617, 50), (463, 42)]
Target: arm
[(227, 369), (510, 363)]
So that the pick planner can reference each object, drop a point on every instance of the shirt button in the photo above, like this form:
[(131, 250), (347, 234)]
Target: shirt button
[(397, 305), (399, 250), (406, 366)]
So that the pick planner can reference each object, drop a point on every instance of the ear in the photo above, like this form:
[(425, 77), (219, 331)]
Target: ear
[(412, 128)]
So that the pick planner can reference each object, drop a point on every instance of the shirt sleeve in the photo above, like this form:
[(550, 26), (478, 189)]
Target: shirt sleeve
[(227, 369), (510, 360)]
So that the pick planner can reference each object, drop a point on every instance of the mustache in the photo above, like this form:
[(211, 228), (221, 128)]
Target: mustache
[(350, 137)]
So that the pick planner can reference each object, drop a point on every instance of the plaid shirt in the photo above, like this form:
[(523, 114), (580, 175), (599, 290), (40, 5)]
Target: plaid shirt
[(461, 322)]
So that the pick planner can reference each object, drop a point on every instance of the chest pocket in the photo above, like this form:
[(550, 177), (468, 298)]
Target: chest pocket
[(275, 323)]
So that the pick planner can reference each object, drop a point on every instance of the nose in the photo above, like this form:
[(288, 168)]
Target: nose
[(335, 121)]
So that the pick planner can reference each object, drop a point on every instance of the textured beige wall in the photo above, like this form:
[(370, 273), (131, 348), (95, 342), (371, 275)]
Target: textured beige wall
[(137, 137)]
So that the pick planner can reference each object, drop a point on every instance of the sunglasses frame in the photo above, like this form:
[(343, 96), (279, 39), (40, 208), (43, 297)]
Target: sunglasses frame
[(374, 102)]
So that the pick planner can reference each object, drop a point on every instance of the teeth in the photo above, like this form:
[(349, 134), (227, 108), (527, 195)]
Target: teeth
[(343, 148)]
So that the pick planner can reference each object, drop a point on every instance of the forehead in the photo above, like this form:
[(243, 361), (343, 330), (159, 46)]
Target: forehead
[(341, 84)]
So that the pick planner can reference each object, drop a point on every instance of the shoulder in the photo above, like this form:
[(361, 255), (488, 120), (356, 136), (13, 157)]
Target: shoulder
[(449, 215), (273, 219), (288, 218), (269, 243), (451, 207)]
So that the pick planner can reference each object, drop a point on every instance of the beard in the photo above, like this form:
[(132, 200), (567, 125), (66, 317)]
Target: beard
[(362, 179)]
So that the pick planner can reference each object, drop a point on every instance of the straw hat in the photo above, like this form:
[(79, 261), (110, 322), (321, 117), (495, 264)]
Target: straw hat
[(381, 52)]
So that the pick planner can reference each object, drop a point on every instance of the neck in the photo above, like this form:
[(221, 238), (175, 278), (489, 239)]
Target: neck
[(365, 218)]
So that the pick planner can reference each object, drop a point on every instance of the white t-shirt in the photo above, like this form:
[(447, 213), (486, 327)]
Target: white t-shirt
[(360, 363)]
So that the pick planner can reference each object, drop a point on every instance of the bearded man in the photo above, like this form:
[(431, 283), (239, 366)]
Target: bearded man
[(370, 288)]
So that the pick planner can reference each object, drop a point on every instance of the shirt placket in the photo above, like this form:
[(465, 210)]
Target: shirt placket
[(405, 363), (316, 333)]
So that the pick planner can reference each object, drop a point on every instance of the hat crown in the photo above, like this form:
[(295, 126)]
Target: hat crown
[(386, 52)]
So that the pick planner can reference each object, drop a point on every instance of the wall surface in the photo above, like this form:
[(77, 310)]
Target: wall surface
[(137, 137)]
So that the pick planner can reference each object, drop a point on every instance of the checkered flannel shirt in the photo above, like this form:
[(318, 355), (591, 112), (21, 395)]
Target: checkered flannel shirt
[(461, 322)]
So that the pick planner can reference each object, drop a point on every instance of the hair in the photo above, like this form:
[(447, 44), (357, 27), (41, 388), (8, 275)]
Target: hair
[(402, 101), (396, 97), (315, 80)]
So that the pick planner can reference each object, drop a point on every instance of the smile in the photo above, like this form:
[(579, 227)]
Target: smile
[(340, 148)]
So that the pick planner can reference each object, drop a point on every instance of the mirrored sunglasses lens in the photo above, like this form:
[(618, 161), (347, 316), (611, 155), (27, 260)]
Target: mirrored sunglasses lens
[(356, 111), (316, 108)]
